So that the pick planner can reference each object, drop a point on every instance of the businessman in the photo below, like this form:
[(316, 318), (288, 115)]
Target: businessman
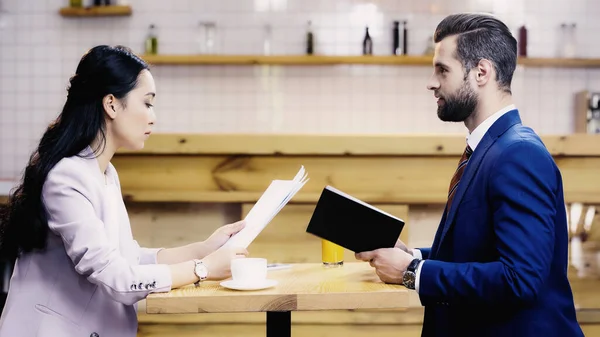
[(498, 263)]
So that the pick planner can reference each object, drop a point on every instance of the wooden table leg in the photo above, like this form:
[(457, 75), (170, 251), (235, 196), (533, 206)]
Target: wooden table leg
[(279, 324)]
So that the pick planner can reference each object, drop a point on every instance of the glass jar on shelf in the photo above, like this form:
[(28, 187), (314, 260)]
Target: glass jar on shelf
[(207, 39), (567, 44)]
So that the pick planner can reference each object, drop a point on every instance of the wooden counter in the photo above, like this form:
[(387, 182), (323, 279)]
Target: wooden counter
[(586, 293), (382, 169), (303, 287), (346, 145), (352, 323), (402, 169)]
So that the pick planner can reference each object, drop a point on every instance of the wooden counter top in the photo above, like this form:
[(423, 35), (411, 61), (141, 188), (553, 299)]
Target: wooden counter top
[(381, 145), (303, 287), (394, 169), (379, 169), (586, 294)]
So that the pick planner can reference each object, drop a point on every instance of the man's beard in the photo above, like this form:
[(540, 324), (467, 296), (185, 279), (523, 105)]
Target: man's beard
[(458, 107)]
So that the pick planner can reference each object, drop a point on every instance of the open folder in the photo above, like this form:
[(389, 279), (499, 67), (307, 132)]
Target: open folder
[(266, 208), (352, 223)]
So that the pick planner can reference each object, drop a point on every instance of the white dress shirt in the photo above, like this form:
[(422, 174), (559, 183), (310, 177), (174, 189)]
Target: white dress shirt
[(472, 140)]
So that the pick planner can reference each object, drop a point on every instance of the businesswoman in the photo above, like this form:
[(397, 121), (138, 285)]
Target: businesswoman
[(78, 270)]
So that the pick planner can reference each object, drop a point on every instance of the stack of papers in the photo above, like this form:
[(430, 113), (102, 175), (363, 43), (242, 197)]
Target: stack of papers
[(266, 208)]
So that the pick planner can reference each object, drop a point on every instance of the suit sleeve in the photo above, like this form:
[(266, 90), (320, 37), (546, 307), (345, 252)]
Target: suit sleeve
[(522, 191), (71, 215)]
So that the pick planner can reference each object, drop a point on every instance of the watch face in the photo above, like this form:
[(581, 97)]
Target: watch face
[(201, 271), (409, 280)]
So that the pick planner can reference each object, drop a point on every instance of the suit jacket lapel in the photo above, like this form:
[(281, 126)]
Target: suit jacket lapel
[(496, 130), (470, 170)]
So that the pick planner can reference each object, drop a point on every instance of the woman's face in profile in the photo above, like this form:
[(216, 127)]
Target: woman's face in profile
[(135, 118)]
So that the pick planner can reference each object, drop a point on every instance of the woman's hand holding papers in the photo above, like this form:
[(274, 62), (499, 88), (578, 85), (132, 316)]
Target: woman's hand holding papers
[(218, 238), (216, 257)]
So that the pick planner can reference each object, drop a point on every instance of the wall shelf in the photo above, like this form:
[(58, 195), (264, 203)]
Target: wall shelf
[(333, 60), (96, 11), (234, 168), (560, 62), (284, 60)]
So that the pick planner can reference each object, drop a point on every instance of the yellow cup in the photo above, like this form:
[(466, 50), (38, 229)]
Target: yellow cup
[(332, 254)]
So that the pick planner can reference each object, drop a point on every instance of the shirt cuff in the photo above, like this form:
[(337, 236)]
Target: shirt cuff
[(418, 276), (418, 255)]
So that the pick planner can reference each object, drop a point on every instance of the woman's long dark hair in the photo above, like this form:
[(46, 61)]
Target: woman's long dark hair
[(103, 70)]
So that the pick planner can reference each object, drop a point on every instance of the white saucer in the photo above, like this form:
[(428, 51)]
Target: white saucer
[(231, 284)]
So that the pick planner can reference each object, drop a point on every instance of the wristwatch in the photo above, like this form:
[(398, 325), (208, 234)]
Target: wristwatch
[(410, 275), (201, 271)]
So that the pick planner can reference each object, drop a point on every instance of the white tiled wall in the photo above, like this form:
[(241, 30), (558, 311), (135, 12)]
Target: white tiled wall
[(39, 50)]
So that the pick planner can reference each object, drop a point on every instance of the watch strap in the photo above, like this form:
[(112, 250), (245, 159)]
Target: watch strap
[(412, 266)]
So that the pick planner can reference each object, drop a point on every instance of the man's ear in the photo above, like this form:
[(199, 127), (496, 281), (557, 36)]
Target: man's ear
[(484, 72), (109, 102)]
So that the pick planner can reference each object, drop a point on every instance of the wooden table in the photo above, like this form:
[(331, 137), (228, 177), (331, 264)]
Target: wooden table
[(304, 287)]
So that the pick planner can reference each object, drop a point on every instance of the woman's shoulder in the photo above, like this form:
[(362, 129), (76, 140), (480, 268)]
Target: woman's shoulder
[(76, 166), (80, 171)]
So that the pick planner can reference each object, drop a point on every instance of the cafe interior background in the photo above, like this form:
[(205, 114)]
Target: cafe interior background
[(245, 97)]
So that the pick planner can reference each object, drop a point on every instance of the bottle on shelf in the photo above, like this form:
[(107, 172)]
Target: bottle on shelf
[(404, 38), (310, 47), (98, 2), (267, 39), (152, 41), (367, 43), (76, 3), (522, 41), (396, 39)]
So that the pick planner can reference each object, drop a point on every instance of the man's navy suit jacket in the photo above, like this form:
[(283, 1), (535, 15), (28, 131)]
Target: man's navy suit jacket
[(498, 263)]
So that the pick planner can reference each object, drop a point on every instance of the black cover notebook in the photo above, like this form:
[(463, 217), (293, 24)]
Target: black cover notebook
[(352, 223)]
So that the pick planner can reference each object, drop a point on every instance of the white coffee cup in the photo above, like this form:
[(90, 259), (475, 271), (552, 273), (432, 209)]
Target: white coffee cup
[(249, 270)]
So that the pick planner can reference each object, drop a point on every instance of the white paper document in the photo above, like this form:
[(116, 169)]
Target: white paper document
[(266, 208)]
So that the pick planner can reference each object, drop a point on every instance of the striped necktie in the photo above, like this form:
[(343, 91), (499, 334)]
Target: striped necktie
[(462, 164)]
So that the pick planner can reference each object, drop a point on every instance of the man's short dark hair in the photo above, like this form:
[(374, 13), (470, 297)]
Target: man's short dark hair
[(481, 36)]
